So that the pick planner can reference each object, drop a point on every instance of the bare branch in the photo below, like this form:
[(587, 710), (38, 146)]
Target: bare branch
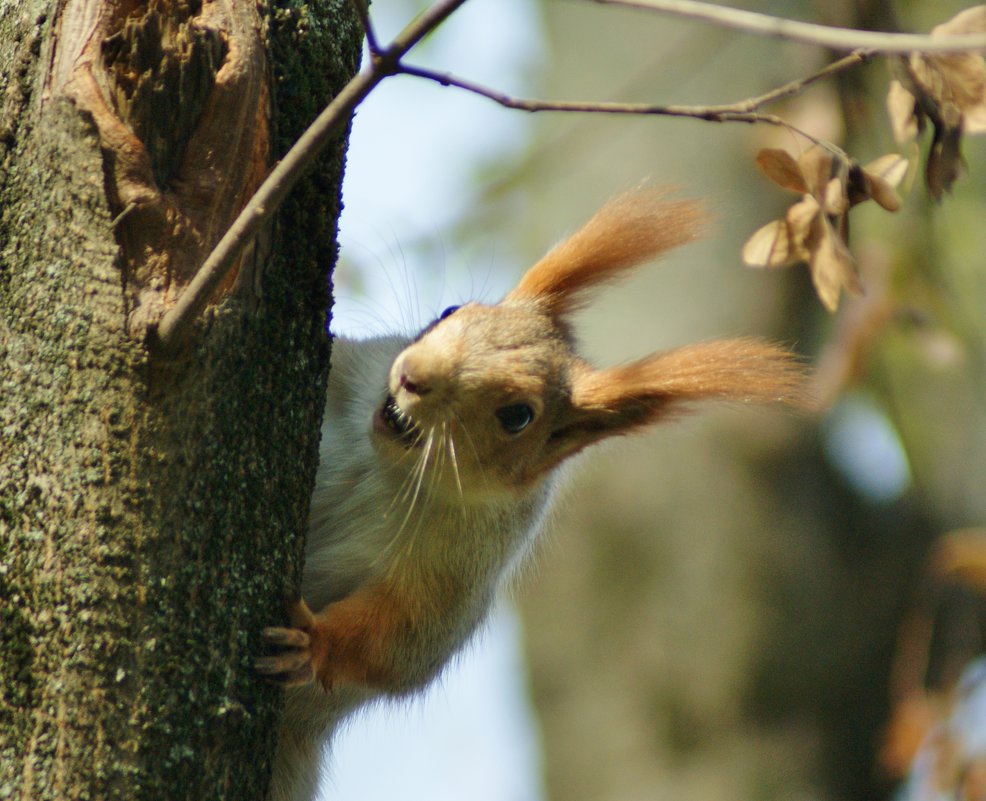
[(806, 32), (177, 321), (796, 86), (741, 111), (728, 113), (363, 12), (385, 62)]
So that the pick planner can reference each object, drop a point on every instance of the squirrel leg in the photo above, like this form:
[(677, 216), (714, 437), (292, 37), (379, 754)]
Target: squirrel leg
[(351, 641)]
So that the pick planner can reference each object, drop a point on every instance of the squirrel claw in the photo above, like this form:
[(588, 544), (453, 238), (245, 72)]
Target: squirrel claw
[(286, 638), (295, 665), (288, 669)]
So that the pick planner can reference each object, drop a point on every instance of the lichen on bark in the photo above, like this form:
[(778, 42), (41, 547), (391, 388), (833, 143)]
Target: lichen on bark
[(151, 512)]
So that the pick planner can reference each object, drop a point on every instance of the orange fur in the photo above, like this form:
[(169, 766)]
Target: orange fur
[(353, 641), (452, 434), (619, 400), (629, 229), (748, 370)]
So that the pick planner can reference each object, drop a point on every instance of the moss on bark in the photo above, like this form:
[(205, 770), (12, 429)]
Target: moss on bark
[(151, 513)]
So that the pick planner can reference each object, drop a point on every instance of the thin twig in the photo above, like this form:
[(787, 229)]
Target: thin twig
[(806, 32), (363, 12), (796, 86), (709, 113), (177, 321), (742, 111)]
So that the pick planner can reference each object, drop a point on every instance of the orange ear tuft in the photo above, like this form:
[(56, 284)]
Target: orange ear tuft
[(619, 400), (747, 370), (629, 229)]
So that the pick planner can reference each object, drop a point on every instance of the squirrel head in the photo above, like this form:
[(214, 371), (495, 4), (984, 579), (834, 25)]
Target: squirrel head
[(495, 397)]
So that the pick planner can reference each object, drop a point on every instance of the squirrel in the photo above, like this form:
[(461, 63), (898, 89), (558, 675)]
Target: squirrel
[(439, 454)]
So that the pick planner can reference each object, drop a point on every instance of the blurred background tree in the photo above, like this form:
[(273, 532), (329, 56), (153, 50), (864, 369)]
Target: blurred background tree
[(716, 610)]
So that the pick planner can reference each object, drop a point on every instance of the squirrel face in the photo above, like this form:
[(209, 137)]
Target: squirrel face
[(492, 398), (474, 413), (480, 391)]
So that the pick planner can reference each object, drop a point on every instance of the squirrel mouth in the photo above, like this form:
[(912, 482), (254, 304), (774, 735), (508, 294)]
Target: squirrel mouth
[(398, 421)]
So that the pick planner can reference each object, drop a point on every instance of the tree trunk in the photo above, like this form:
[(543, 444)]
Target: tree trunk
[(152, 508)]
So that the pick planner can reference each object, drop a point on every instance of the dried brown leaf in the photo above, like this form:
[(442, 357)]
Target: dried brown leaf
[(770, 246), (891, 168), (901, 108), (799, 218), (816, 167), (970, 20), (963, 74), (945, 163), (882, 192), (947, 88), (877, 180), (832, 266), (781, 167), (836, 200), (956, 82), (962, 89), (814, 230), (974, 120)]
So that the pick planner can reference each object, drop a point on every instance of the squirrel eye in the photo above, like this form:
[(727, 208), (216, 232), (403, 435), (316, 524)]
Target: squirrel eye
[(515, 418), (449, 310)]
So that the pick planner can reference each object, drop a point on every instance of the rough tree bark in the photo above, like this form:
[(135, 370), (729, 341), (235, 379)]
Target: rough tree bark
[(152, 508)]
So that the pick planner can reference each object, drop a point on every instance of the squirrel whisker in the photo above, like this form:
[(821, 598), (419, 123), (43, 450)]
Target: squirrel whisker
[(438, 452)]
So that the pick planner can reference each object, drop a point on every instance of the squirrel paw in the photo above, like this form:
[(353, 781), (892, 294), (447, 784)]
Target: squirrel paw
[(303, 649)]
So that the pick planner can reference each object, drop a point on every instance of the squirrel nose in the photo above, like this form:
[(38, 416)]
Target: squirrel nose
[(413, 373), (415, 387)]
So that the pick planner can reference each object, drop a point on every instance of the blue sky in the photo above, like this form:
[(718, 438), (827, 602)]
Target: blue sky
[(414, 151)]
